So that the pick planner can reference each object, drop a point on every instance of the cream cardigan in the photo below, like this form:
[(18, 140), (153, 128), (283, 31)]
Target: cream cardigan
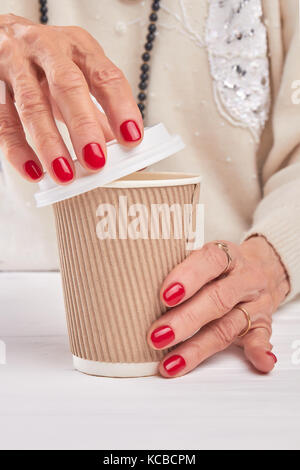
[(248, 187)]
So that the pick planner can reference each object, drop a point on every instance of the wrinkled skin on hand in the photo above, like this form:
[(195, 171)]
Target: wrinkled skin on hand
[(51, 71), (204, 318)]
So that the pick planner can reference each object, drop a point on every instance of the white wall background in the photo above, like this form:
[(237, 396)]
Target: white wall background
[(27, 234)]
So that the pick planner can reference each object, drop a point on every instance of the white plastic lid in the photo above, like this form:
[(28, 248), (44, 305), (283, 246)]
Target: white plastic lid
[(156, 145)]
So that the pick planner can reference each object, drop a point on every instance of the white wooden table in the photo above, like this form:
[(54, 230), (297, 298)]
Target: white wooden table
[(224, 404)]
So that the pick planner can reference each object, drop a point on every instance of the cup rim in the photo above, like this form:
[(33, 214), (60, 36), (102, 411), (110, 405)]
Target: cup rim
[(155, 179)]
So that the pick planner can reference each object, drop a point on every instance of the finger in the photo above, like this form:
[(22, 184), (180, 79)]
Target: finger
[(258, 349), (103, 121), (110, 87), (212, 302), (36, 116), (70, 92), (214, 338), (14, 144), (201, 267), (256, 343), (106, 129)]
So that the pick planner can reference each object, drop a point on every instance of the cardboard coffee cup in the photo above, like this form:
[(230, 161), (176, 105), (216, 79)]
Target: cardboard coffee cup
[(117, 244)]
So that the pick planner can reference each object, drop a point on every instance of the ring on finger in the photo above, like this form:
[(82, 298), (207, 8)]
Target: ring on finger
[(224, 247), (248, 328)]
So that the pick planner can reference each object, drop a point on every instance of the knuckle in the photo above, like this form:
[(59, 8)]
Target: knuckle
[(7, 127), (222, 300), (76, 30), (10, 132), (49, 140), (8, 18), (190, 317), (108, 76), (29, 102), (215, 257), (31, 33), (41, 40), (64, 80), (81, 122), (224, 331), (7, 45), (196, 349)]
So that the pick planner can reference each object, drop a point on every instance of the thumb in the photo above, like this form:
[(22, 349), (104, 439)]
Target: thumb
[(258, 349)]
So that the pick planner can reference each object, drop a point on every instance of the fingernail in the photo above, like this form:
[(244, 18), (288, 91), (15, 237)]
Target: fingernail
[(33, 169), (174, 294), (62, 169), (162, 336), (94, 156), (174, 364), (130, 131), (269, 353)]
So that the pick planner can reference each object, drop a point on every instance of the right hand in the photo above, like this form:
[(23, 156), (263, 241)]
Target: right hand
[(51, 71)]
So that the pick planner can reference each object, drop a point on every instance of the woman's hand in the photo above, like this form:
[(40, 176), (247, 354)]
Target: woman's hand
[(51, 70), (204, 318)]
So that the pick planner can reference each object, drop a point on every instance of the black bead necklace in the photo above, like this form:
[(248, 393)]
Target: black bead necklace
[(43, 11), (145, 67), (146, 56)]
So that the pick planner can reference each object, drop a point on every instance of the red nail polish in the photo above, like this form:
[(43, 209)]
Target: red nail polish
[(269, 353), (162, 336), (174, 364), (33, 169), (174, 294), (130, 131), (62, 169), (94, 156)]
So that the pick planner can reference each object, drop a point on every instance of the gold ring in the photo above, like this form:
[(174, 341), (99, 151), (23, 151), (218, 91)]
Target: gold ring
[(243, 333), (225, 248)]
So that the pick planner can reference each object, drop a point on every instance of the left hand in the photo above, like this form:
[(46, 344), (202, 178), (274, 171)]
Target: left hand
[(204, 319)]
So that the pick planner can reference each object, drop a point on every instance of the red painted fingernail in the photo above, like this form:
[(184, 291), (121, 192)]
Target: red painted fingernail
[(162, 336), (269, 353), (174, 364), (130, 131), (62, 169), (94, 156), (33, 170), (174, 294)]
